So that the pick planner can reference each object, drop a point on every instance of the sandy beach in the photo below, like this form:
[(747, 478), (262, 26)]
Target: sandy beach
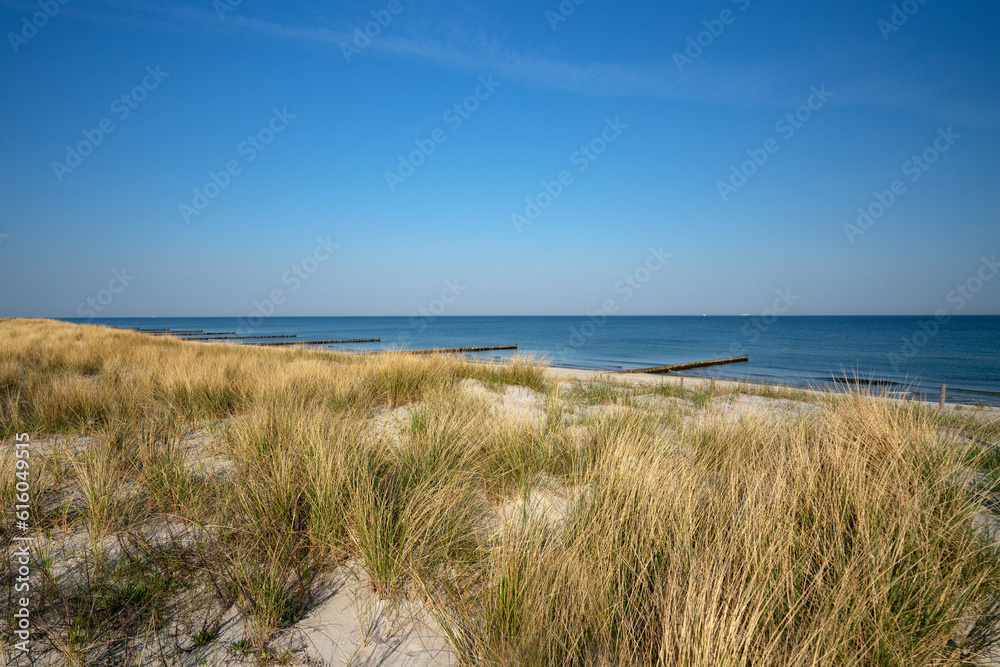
[(208, 503), (519, 334)]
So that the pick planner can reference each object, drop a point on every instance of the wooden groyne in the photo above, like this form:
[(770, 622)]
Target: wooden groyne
[(684, 367), (179, 332), (224, 337), (322, 342), (459, 350)]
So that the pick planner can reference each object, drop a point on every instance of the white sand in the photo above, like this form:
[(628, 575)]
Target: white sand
[(347, 624)]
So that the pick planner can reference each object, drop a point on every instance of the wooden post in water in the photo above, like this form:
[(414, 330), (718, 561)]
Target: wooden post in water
[(941, 401), (315, 342), (460, 350), (684, 367)]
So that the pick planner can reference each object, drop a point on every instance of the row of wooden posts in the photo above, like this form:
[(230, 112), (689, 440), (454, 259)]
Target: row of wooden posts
[(228, 335), (200, 335)]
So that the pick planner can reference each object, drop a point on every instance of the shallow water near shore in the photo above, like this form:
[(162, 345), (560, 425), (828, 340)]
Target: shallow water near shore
[(902, 354)]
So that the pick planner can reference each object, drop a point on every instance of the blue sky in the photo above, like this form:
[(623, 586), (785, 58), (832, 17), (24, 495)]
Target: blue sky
[(215, 78)]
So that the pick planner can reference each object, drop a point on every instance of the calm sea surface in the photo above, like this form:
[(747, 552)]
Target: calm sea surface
[(911, 353)]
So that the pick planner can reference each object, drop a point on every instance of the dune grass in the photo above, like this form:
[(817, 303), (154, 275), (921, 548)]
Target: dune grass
[(177, 483)]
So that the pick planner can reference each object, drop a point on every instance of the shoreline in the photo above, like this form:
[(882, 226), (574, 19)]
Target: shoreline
[(662, 378), (561, 374), (199, 477), (968, 384)]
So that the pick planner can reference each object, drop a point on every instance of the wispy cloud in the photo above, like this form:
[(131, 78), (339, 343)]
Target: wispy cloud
[(777, 82), (712, 82)]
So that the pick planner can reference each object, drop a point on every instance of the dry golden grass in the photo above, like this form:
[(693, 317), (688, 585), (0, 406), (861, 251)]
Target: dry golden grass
[(634, 536)]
